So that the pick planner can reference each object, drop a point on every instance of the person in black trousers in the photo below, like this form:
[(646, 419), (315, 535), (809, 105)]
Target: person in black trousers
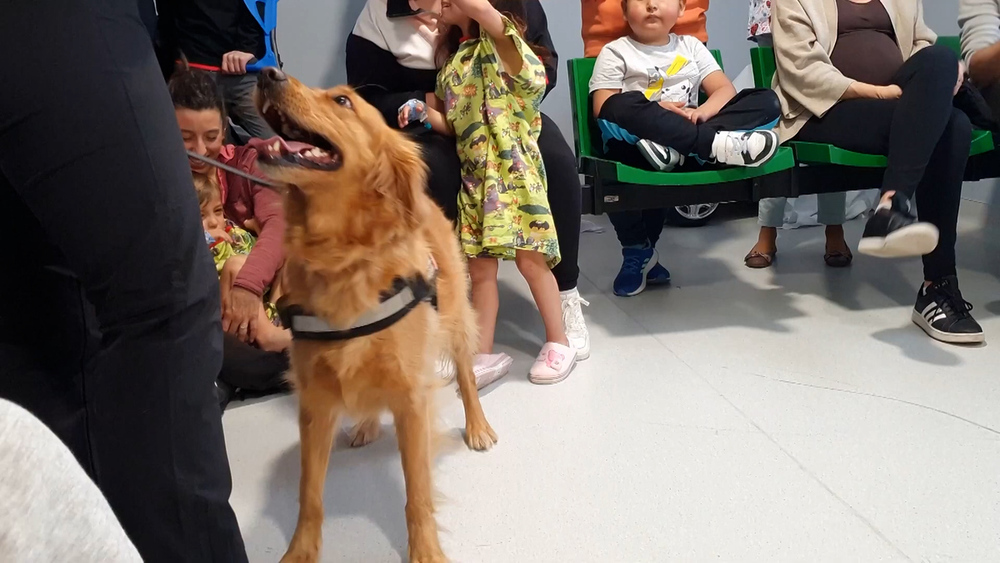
[(877, 83), (110, 332), (389, 63)]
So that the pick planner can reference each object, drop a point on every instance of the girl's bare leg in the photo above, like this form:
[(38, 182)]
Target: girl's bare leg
[(486, 299), (545, 291)]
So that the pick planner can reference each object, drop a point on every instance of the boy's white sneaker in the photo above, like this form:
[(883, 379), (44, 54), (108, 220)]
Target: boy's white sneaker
[(660, 157), (744, 148)]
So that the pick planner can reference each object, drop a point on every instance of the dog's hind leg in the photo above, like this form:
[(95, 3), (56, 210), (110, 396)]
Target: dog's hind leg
[(413, 428), (318, 418), (366, 431)]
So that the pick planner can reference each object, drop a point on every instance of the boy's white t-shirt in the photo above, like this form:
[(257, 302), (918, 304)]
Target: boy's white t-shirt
[(671, 72)]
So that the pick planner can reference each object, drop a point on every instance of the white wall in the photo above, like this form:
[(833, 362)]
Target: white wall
[(312, 33)]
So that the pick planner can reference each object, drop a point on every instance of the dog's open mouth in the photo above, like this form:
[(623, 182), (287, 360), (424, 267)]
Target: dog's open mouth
[(296, 146)]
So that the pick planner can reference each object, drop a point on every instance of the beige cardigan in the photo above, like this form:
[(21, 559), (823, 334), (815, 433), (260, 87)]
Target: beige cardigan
[(805, 33)]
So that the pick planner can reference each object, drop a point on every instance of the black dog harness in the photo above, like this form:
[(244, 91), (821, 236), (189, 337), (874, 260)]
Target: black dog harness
[(394, 304)]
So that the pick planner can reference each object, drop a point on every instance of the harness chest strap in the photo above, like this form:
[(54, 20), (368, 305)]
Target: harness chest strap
[(395, 304)]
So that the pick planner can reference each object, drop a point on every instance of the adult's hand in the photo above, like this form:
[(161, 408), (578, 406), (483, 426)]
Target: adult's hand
[(235, 62), (239, 306), (239, 315), (890, 92)]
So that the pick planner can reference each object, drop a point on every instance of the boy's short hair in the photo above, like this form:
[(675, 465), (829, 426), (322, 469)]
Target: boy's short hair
[(206, 189)]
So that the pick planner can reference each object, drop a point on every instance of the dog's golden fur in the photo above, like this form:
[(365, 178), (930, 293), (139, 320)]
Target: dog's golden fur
[(351, 232)]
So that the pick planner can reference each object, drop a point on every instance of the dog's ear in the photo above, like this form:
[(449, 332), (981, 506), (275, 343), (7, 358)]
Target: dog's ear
[(400, 175)]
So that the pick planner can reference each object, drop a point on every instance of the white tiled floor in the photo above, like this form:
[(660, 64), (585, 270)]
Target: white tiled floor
[(786, 415)]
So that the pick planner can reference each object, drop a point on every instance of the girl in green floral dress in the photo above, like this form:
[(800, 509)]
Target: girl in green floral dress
[(489, 91)]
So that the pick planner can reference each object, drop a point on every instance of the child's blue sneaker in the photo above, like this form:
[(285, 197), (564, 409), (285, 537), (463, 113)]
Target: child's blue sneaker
[(636, 265), (658, 275)]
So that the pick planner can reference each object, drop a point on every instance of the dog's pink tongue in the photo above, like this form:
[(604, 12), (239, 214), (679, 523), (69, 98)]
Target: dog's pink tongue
[(266, 146)]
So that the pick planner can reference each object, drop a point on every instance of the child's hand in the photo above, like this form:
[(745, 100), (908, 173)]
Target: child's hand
[(679, 108), (701, 115), (412, 110), (220, 234)]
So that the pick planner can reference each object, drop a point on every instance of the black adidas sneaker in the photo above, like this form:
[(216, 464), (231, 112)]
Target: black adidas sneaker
[(891, 232), (944, 315)]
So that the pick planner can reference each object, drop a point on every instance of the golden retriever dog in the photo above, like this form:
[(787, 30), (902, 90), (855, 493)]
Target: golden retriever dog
[(359, 220)]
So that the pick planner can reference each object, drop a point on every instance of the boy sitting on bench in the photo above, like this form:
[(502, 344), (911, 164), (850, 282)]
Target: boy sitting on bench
[(645, 91)]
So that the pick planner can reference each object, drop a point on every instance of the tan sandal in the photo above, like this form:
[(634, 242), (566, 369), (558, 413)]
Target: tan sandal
[(838, 259), (759, 260)]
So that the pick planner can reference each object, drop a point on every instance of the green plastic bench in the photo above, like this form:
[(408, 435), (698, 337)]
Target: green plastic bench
[(618, 187), (762, 62)]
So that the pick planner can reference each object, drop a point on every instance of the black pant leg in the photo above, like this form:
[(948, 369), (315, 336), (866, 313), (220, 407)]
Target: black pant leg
[(748, 110), (565, 193), (871, 126), (630, 228), (250, 368), (45, 303), (939, 194), (89, 144), (652, 220), (644, 119), (922, 113), (860, 125), (444, 178), (638, 228)]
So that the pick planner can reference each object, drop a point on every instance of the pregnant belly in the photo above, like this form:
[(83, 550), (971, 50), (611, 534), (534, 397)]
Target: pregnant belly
[(867, 56)]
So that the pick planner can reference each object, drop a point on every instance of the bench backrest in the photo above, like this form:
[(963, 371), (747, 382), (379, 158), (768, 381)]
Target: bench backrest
[(584, 124)]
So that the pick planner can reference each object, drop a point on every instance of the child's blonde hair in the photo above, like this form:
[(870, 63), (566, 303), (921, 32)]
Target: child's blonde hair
[(207, 188)]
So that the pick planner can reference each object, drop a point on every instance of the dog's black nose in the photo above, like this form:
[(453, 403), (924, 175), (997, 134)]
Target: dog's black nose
[(274, 73)]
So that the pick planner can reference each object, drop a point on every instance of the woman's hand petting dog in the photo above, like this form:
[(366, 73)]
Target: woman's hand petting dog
[(239, 306)]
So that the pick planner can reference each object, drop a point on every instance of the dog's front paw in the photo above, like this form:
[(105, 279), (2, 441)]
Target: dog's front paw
[(300, 554), (432, 554), (479, 436), (365, 432)]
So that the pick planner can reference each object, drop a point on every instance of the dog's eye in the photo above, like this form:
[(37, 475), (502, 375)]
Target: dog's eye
[(343, 101)]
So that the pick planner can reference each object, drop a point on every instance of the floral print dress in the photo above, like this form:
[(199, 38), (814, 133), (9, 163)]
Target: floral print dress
[(503, 205), (760, 18)]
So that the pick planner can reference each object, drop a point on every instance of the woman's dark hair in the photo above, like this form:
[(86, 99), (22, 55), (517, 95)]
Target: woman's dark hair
[(513, 10), (195, 89)]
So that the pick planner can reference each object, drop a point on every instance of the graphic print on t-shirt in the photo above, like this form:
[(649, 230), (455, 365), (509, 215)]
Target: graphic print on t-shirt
[(664, 88)]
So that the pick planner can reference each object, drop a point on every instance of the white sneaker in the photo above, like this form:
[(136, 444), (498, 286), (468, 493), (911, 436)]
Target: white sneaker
[(489, 368), (574, 323), (660, 157), (445, 368), (744, 148)]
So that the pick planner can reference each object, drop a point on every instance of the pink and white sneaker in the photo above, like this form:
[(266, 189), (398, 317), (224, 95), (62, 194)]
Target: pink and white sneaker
[(489, 368), (554, 363)]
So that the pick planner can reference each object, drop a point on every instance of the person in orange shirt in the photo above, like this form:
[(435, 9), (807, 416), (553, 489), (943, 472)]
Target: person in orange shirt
[(604, 21)]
